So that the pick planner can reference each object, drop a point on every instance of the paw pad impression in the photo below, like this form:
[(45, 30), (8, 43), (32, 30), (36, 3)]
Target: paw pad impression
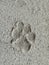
[(21, 36)]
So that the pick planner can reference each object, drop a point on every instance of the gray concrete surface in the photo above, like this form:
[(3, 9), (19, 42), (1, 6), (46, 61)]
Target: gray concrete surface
[(35, 12)]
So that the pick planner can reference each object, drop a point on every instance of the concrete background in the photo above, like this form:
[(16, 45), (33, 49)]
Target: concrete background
[(35, 12)]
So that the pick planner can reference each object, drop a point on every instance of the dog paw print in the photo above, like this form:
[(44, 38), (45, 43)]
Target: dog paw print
[(21, 36)]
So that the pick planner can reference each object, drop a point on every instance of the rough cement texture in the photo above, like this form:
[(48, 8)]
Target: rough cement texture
[(34, 12)]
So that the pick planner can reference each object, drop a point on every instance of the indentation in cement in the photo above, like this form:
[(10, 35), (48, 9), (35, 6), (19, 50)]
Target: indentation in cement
[(21, 36)]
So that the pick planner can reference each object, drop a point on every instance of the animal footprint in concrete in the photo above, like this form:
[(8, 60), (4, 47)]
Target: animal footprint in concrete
[(22, 44), (27, 29), (22, 36)]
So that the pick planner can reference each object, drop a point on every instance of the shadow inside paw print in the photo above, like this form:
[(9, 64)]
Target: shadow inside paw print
[(27, 29), (19, 39), (31, 37), (17, 30)]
